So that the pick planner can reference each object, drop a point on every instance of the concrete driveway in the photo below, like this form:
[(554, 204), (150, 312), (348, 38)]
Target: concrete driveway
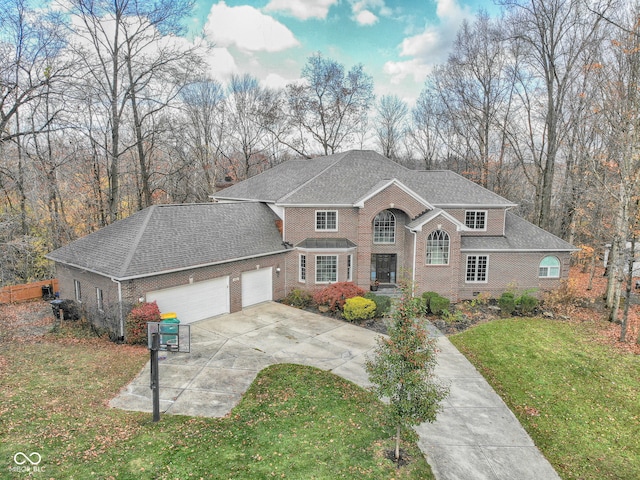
[(475, 437)]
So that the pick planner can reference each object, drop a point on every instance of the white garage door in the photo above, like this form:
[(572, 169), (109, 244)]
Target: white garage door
[(256, 286), (195, 301)]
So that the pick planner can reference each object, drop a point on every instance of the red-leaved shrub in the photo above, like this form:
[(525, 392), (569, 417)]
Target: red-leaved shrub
[(136, 325), (336, 294)]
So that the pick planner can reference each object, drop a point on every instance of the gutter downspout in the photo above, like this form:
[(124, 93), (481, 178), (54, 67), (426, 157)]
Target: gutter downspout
[(413, 270), (120, 311)]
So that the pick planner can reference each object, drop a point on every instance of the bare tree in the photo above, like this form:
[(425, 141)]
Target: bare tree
[(425, 132), (113, 38), (390, 124), (203, 130), (620, 125), (246, 131), (554, 35), (328, 106)]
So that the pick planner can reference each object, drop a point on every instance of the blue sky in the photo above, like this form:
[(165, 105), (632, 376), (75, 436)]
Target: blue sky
[(397, 41)]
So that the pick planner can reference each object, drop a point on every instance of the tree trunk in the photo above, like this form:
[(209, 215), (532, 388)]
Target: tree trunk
[(145, 195), (398, 434), (625, 316)]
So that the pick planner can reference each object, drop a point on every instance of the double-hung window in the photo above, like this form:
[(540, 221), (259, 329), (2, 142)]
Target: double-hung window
[(476, 219), (327, 220), (326, 268), (477, 268)]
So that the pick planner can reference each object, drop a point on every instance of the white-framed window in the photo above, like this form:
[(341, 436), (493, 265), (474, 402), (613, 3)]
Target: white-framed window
[(549, 267), (438, 248), (349, 268), (384, 227), (477, 268), (327, 220), (476, 219), (326, 268), (302, 272), (77, 290), (99, 299)]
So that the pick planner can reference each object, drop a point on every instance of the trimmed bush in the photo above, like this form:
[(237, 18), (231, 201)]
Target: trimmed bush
[(298, 298), (383, 303), (426, 300), (334, 295), (359, 308), (507, 303), (438, 304), (527, 303), (136, 323)]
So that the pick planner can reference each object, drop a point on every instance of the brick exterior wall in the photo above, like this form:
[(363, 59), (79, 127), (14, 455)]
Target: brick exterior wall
[(506, 270), (510, 270), (133, 290), (494, 220), (442, 279)]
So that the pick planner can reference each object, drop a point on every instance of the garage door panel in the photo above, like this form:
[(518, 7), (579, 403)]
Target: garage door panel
[(257, 286), (194, 301)]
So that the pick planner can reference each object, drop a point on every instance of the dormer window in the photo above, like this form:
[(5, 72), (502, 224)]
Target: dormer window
[(327, 220), (476, 219), (384, 227)]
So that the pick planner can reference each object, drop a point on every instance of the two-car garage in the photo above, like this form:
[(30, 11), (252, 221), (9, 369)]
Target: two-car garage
[(208, 298)]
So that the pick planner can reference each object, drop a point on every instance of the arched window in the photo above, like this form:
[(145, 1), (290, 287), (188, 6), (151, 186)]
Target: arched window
[(549, 267), (384, 227), (438, 248)]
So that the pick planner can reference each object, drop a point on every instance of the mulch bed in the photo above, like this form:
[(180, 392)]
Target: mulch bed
[(20, 322)]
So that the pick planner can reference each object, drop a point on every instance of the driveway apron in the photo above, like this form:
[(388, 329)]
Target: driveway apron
[(475, 436)]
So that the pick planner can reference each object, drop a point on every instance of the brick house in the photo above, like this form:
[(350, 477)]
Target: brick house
[(354, 216)]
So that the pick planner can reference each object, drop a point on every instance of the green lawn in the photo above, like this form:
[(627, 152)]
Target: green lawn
[(294, 422), (578, 399)]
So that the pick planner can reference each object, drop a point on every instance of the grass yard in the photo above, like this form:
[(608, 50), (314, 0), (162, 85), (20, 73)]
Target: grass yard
[(577, 397), (294, 422)]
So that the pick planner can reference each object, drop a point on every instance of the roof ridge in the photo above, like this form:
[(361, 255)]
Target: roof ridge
[(136, 241), (341, 157)]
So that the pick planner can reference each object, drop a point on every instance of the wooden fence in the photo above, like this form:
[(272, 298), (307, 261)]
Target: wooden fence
[(26, 292)]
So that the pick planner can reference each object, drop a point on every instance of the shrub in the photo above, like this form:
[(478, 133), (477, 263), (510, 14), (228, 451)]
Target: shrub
[(298, 298), (426, 300), (136, 323), (359, 308), (334, 295), (564, 297), (527, 303), (507, 303), (383, 303), (438, 303)]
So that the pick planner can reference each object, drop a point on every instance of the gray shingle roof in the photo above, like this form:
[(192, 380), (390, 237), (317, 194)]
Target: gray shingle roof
[(343, 179), (520, 235), (165, 238)]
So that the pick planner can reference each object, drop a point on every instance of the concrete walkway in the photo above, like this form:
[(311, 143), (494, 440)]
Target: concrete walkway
[(476, 436)]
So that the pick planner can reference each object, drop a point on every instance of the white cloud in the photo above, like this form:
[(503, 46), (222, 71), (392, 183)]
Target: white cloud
[(221, 63), (415, 68), (302, 9), (365, 17), (248, 29), (431, 46), (275, 81)]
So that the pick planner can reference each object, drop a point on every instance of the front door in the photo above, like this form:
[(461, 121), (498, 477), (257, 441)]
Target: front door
[(383, 267)]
